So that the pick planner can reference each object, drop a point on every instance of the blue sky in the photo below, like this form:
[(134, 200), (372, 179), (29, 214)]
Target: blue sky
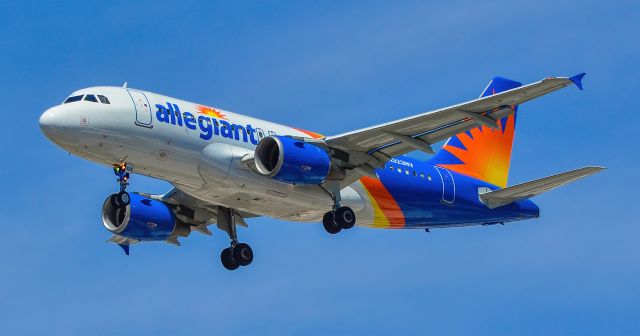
[(329, 67)]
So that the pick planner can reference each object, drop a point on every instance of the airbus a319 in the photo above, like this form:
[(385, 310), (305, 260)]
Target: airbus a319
[(226, 168)]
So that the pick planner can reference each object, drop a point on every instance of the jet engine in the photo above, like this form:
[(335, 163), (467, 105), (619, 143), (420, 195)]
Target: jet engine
[(292, 161), (143, 219)]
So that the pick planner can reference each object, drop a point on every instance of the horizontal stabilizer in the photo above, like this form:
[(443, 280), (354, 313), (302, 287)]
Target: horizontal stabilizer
[(498, 198)]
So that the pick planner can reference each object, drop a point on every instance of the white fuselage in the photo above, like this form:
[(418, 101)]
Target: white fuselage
[(196, 148)]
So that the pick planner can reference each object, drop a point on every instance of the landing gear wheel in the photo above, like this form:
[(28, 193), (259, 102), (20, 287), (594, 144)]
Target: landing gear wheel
[(329, 223), (122, 199), (243, 254), (345, 217), (227, 259)]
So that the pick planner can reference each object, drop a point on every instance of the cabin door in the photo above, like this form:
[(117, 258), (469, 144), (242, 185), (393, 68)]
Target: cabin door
[(142, 107), (448, 185)]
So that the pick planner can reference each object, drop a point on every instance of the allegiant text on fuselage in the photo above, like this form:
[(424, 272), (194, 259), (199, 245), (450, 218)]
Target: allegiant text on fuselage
[(207, 125)]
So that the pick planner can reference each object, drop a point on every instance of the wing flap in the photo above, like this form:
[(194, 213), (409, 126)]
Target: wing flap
[(498, 198)]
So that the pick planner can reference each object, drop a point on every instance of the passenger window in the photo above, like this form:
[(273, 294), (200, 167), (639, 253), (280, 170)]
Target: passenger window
[(90, 98), (103, 99), (399, 170), (406, 171), (391, 167), (429, 177), (422, 175), (73, 99), (414, 173)]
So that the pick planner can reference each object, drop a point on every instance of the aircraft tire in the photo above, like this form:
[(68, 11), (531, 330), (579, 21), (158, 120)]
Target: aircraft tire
[(122, 199), (345, 217), (227, 259), (329, 223), (243, 254)]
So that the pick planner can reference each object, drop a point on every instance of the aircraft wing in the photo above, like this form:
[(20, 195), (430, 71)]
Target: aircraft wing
[(194, 211), (498, 198), (368, 148)]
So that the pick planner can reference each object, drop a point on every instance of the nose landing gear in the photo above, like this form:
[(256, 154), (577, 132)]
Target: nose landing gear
[(122, 198)]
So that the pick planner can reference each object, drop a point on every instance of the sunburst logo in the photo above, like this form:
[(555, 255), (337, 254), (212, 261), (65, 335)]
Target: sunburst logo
[(210, 111), (484, 153)]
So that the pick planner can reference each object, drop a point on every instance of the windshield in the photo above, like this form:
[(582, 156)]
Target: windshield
[(103, 99), (73, 99)]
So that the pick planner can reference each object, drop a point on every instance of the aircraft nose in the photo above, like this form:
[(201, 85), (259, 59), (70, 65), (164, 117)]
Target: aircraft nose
[(50, 122), (46, 119)]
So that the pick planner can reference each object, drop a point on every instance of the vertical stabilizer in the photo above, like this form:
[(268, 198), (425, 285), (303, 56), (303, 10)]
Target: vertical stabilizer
[(482, 153)]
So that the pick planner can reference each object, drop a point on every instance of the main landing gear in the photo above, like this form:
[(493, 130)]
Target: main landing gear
[(121, 199), (341, 217), (238, 254)]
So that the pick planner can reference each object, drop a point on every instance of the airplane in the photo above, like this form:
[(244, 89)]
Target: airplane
[(225, 167)]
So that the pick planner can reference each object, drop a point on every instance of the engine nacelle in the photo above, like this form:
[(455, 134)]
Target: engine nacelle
[(143, 219), (292, 161)]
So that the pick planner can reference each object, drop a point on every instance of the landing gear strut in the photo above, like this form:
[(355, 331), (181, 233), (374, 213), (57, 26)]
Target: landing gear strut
[(122, 198), (340, 217), (238, 254)]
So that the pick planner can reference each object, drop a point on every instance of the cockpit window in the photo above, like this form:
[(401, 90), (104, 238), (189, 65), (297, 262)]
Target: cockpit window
[(90, 98), (103, 99), (73, 99)]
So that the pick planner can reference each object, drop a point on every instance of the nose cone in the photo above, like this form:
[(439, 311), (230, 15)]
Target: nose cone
[(47, 119), (51, 123), (46, 123)]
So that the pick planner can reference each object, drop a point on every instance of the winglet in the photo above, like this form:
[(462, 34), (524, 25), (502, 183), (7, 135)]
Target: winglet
[(577, 80), (125, 248)]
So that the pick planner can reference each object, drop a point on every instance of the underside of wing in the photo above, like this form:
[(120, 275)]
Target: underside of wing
[(192, 210)]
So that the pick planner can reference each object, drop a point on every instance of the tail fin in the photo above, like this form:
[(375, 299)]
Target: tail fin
[(482, 153)]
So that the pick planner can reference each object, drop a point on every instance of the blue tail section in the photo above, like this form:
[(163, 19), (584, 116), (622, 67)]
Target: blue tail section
[(499, 84)]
